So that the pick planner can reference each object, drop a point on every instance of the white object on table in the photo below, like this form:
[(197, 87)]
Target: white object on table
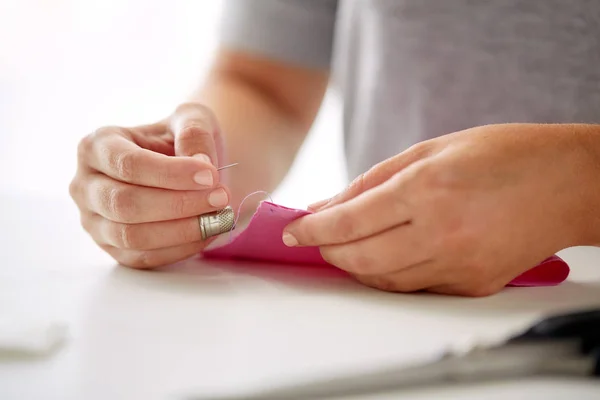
[(199, 327), (31, 337), (26, 329)]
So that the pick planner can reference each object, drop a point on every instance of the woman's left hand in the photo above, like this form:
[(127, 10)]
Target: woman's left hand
[(461, 214)]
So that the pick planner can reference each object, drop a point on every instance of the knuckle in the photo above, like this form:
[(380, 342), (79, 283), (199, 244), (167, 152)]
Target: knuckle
[(181, 203), (206, 111), (207, 115), (384, 283), (199, 121), (193, 134), (397, 285), (425, 172), (421, 149), (120, 204), (184, 108), (127, 236), (391, 285), (203, 110), (146, 259), (358, 185), (140, 259), (102, 132), (125, 165), (74, 188), (479, 290), (83, 148), (195, 108), (433, 176), (437, 175)]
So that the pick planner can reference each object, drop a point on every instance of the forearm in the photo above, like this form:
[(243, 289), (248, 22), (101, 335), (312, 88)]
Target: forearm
[(567, 177), (587, 141), (264, 108)]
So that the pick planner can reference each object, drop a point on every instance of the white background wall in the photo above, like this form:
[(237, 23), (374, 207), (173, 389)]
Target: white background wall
[(70, 66)]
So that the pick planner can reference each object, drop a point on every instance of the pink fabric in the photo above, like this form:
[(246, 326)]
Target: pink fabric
[(261, 241)]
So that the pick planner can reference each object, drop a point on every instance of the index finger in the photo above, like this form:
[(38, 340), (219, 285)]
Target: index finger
[(375, 176), (365, 215), (113, 154)]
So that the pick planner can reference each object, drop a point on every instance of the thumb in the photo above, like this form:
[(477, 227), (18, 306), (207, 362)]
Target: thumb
[(375, 176), (196, 132)]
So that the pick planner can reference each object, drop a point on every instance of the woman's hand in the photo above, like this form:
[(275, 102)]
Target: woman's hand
[(139, 190), (460, 214)]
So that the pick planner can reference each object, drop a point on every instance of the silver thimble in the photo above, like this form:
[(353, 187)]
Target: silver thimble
[(217, 222)]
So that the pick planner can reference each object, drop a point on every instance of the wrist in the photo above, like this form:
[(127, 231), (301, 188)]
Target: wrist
[(586, 183)]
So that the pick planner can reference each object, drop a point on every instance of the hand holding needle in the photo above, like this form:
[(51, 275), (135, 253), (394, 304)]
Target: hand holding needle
[(217, 222)]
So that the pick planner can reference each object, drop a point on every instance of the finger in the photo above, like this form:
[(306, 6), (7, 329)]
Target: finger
[(469, 287), (466, 290), (378, 174), (154, 258), (77, 189), (389, 251), (195, 129), (144, 236), (125, 203), (319, 204), (156, 137), (379, 209), (110, 152), (415, 278)]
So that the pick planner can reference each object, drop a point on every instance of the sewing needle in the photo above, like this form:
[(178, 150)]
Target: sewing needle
[(227, 166)]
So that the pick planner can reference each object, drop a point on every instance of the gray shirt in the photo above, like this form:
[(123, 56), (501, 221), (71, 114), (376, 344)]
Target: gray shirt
[(410, 70)]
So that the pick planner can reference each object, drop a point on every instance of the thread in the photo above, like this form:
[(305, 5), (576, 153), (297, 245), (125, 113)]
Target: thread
[(239, 210)]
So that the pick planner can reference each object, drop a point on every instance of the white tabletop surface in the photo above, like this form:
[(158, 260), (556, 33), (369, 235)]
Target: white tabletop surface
[(197, 327)]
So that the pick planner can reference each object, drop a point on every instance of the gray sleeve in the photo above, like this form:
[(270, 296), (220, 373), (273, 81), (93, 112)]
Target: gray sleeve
[(295, 31)]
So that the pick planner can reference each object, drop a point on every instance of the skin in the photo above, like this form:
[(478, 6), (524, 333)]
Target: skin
[(464, 213), (461, 214), (140, 189)]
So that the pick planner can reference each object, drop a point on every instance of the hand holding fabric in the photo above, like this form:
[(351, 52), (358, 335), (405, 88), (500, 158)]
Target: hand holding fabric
[(461, 214)]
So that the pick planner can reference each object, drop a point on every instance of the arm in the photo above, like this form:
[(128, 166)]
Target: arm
[(141, 205), (266, 85), (586, 187), (265, 109)]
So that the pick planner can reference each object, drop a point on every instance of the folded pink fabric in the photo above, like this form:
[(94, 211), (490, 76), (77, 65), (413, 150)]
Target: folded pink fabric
[(261, 241)]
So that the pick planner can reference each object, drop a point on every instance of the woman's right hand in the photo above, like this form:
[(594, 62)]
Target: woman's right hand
[(140, 190)]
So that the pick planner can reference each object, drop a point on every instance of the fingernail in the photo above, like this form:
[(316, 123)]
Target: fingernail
[(218, 198), (203, 157), (289, 239), (204, 178)]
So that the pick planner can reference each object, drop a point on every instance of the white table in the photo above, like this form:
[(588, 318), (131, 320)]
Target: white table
[(199, 327)]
